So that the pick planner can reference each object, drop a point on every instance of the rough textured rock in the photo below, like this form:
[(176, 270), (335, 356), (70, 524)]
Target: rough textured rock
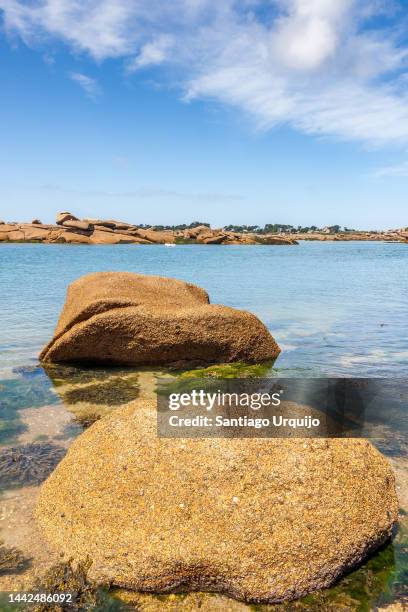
[(260, 520), (115, 225), (155, 236), (74, 237), (196, 231), (119, 317), (33, 232), (103, 237), (202, 234), (271, 239), (17, 234), (211, 239), (103, 228), (81, 225), (65, 216)]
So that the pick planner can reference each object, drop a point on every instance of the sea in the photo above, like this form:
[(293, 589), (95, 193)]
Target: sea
[(335, 308)]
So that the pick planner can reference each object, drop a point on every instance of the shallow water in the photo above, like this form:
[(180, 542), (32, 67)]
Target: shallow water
[(334, 308), (74, 395)]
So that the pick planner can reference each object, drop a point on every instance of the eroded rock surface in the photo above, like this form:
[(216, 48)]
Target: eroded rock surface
[(259, 520), (70, 229), (119, 317)]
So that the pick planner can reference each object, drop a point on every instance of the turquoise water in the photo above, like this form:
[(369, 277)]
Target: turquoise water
[(334, 308)]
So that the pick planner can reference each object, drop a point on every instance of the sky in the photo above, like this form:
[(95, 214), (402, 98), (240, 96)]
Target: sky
[(242, 112)]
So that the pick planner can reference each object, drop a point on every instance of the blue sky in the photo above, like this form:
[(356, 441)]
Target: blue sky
[(257, 111)]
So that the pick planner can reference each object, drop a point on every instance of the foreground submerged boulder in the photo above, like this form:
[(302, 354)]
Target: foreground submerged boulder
[(124, 318), (259, 520)]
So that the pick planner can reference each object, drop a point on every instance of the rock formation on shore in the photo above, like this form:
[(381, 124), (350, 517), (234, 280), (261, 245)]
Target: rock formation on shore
[(70, 229), (259, 520), (120, 317)]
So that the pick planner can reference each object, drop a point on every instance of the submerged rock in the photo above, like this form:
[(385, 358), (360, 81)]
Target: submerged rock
[(259, 520), (29, 464), (91, 394), (67, 578), (119, 317), (12, 560)]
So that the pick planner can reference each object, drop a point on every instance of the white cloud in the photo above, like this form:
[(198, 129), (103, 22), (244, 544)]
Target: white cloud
[(309, 33), (88, 84), (320, 66), (152, 53)]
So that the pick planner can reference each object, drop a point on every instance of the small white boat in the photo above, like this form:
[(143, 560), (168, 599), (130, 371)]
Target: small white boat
[(169, 244)]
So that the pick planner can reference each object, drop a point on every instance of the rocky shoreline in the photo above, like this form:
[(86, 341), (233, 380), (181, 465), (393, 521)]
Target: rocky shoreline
[(70, 229), (387, 236), (200, 514), (245, 522)]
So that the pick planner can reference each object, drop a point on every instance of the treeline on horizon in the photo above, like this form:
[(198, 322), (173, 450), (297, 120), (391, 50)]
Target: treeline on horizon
[(268, 228)]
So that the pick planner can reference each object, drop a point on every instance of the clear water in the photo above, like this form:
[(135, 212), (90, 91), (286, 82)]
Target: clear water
[(334, 308)]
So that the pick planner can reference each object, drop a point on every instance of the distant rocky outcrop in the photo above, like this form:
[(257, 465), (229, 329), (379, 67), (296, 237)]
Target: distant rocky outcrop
[(205, 235), (125, 318), (70, 229), (389, 236), (259, 520)]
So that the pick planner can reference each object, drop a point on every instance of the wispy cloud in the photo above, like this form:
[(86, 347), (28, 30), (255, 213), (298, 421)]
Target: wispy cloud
[(88, 84), (396, 170), (49, 59), (140, 193), (324, 67), (152, 53)]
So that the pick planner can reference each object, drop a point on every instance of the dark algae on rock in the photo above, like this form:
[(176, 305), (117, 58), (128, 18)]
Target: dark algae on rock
[(67, 577), (230, 370), (92, 392), (12, 560), (29, 464)]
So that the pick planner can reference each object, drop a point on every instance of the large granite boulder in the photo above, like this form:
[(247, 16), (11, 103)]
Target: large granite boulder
[(212, 238), (101, 236), (12, 232), (80, 225), (65, 216), (260, 520), (119, 317), (35, 232), (155, 237), (74, 237)]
